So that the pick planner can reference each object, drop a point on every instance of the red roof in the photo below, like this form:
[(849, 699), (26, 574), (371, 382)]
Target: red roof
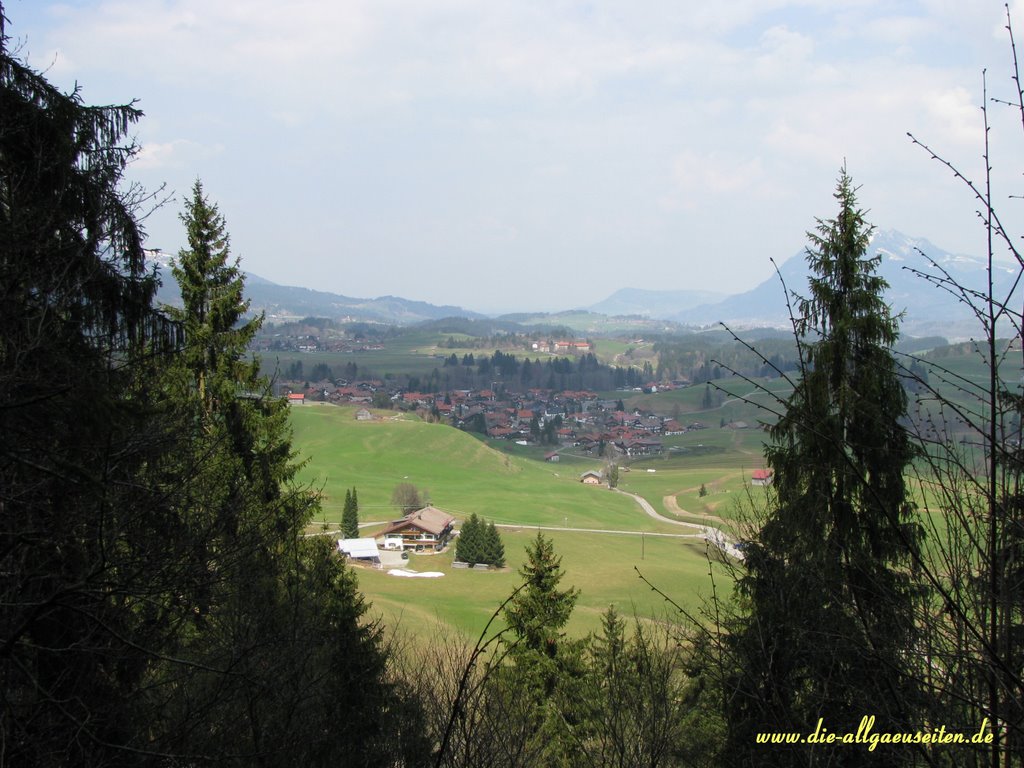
[(762, 474)]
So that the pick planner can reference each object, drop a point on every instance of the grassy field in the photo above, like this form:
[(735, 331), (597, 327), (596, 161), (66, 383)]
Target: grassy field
[(603, 567), (512, 486), (464, 475)]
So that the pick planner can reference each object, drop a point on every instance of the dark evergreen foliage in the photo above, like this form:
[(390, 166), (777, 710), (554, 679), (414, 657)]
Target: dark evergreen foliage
[(828, 577), (541, 610), (493, 549), (350, 515), (468, 546), (160, 604), (479, 542), (80, 544)]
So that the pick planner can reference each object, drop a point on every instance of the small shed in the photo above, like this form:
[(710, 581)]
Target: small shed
[(297, 398), (762, 477), (361, 550)]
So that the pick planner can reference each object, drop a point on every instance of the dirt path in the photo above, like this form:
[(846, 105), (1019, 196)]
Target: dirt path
[(707, 532), (672, 505)]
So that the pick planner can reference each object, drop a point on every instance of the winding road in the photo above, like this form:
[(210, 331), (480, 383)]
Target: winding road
[(707, 532)]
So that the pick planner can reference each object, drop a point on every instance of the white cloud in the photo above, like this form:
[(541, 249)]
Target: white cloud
[(177, 153), (700, 177), (782, 52)]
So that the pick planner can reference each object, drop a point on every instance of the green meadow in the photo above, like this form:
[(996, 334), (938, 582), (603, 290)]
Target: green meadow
[(464, 475), (513, 486), (413, 353), (605, 568)]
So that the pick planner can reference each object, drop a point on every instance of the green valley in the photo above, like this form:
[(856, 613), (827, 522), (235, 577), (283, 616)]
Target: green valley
[(464, 475)]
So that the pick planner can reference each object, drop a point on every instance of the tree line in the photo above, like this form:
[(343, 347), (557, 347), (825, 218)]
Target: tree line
[(160, 603)]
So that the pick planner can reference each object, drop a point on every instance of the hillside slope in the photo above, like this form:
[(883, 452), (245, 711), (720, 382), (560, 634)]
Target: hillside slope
[(461, 474)]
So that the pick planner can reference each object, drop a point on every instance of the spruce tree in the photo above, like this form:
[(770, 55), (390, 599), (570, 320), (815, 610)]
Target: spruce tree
[(828, 578), (539, 612), (82, 539), (546, 669), (494, 550), (469, 545), (278, 609), (350, 516), (212, 288)]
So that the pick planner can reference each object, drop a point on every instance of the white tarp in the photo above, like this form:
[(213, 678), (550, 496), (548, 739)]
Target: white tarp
[(359, 549)]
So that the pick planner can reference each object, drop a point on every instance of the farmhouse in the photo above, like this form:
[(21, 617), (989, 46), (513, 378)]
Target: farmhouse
[(425, 530), (296, 398), (591, 478), (762, 477)]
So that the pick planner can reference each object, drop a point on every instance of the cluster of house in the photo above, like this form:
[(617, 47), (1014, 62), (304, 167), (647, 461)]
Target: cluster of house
[(562, 347), (424, 530), (584, 420)]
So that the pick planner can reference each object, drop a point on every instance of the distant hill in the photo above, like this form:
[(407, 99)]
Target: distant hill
[(660, 304), (284, 302), (582, 321), (928, 309)]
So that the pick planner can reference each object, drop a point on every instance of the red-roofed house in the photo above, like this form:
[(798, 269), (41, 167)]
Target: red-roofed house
[(762, 477)]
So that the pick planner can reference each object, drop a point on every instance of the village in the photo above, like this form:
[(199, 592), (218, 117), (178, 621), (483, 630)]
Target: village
[(570, 418)]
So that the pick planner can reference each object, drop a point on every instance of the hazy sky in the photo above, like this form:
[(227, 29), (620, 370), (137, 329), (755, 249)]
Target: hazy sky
[(511, 154)]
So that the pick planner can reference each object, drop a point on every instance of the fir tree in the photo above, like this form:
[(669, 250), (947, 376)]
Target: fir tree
[(278, 609), (469, 545), (538, 613), (494, 550), (350, 516), (214, 305), (546, 668), (828, 581), (82, 541)]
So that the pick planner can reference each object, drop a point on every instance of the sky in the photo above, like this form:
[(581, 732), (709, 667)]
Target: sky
[(538, 155)]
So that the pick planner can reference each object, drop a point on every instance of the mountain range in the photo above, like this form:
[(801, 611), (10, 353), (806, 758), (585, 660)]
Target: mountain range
[(287, 302), (928, 309)]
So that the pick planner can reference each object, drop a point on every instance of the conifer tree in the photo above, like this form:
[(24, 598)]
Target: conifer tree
[(546, 670), (828, 579), (493, 549), (350, 516), (469, 545), (539, 612), (214, 304), (277, 609), (158, 604), (82, 539)]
